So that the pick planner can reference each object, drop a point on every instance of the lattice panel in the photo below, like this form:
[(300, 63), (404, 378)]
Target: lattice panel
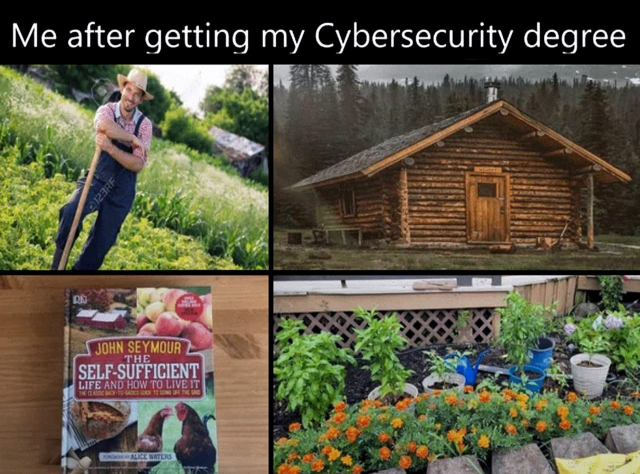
[(419, 327)]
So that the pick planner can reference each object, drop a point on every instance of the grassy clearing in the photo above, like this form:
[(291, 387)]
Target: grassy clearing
[(309, 257), (179, 189)]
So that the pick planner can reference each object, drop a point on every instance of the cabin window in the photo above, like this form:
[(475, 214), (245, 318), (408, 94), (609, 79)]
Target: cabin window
[(348, 202), (487, 190)]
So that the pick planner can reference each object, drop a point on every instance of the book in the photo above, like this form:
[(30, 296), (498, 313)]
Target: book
[(138, 392)]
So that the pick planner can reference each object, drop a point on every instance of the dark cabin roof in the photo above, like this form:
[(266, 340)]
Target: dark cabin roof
[(360, 164)]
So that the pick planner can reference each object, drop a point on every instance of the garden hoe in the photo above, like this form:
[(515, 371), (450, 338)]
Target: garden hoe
[(76, 220)]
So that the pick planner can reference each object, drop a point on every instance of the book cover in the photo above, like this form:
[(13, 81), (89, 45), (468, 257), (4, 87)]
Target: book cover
[(138, 392)]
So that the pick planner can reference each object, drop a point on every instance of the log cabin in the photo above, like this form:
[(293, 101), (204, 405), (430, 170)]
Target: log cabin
[(491, 175)]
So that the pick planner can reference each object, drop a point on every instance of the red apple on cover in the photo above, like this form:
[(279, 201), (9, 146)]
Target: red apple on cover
[(170, 298), (201, 338), (141, 320), (169, 324), (148, 330)]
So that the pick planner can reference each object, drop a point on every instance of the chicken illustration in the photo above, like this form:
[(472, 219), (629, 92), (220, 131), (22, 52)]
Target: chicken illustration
[(150, 441), (194, 450)]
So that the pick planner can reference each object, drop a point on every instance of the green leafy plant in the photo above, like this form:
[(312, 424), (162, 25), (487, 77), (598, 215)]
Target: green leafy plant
[(378, 344), (521, 325), (310, 370), (556, 373), (611, 289), (439, 366)]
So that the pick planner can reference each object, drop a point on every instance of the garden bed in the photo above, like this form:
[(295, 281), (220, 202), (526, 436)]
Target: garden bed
[(359, 383)]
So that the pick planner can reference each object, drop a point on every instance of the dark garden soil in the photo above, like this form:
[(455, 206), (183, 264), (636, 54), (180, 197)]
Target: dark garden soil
[(358, 383)]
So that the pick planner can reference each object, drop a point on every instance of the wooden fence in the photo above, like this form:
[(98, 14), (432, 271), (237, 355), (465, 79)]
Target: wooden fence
[(420, 327)]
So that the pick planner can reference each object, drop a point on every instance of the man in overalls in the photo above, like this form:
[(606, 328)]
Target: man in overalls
[(123, 135)]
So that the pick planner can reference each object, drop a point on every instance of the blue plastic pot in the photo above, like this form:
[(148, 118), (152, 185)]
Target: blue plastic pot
[(532, 385), (542, 355)]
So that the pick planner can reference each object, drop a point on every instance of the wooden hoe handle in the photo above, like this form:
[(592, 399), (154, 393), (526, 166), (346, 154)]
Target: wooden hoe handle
[(85, 191)]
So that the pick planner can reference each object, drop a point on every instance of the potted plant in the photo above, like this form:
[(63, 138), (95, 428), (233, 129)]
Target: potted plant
[(378, 344), (589, 368), (443, 375), (522, 325)]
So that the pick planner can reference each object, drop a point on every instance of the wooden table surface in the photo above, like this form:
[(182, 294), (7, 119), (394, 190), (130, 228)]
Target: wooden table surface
[(31, 364)]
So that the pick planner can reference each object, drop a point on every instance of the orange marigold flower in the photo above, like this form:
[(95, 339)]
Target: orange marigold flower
[(511, 429), (522, 405), (383, 437), (396, 423), (357, 469), (562, 411), (572, 397), (565, 424), (293, 456), (451, 399), (352, 433), (541, 426), (483, 441), (339, 417), (347, 460), (283, 469), (588, 420), (333, 433), (468, 389), (294, 442), (437, 392), (295, 470), (541, 405), (509, 395), (385, 453), (412, 446), (484, 396), (628, 410), (377, 403), (525, 423), (405, 462), (513, 413), (523, 398), (334, 454), (594, 410), (294, 427), (422, 452), (403, 404), (308, 457), (326, 450), (383, 417), (282, 441), (635, 394), (364, 421), (366, 404), (318, 465), (422, 417), (615, 405), (340, 406)]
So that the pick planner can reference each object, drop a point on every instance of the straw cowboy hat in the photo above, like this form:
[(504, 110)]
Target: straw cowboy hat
[(138, 79)]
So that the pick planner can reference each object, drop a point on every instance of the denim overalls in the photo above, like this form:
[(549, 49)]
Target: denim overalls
[(111, 193)]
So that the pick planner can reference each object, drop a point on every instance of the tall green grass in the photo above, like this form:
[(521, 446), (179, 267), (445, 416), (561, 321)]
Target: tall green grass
[(179, 189), (29, 205)]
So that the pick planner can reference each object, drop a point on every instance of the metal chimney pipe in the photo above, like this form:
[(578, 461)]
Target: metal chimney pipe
[(492, 91)]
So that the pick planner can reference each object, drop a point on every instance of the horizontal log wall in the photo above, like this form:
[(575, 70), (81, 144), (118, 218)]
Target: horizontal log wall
[(370, 201), (542, 199)]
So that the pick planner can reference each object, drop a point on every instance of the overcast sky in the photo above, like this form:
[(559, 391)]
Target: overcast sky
[(190, 82)]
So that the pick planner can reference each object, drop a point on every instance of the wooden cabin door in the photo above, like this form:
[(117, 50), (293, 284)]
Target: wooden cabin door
[(487, 207)]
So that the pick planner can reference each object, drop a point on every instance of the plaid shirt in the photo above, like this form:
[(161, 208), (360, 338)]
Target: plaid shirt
[(105, 112)]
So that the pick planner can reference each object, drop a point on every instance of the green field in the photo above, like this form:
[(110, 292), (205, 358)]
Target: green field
[(189, 213), (615, 253)]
